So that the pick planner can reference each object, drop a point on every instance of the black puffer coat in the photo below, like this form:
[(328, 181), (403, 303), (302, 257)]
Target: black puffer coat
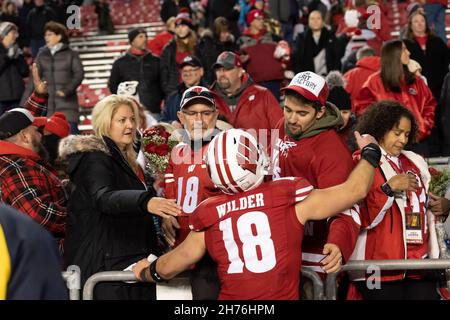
[(62, 71), (108, 226)]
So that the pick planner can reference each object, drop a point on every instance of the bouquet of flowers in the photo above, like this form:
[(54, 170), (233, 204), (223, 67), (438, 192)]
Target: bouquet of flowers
[(440, 181), (157, 144)]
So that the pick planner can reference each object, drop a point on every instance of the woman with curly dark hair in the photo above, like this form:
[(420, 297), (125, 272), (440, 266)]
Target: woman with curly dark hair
[(395, 82), (395, 223)]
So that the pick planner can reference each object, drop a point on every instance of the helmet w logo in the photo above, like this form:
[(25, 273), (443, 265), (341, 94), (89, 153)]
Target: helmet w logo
[(247, 154)]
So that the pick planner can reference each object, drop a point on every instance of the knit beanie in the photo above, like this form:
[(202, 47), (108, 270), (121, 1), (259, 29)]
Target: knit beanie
[(5, 28), (340, 98), (183, 18), (133, 33)]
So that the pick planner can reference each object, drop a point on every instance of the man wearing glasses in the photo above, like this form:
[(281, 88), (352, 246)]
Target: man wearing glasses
[(191, 71), (27, 182), (187, 180)]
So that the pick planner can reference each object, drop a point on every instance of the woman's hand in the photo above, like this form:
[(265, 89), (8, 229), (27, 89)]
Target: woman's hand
[(169, 227), (439, 205), (163, 207), (403, 182)]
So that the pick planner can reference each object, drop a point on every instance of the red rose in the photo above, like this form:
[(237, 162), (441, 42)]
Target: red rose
[(151, 132), (164, 134), (433, 171), (162, 149), (151, 148)]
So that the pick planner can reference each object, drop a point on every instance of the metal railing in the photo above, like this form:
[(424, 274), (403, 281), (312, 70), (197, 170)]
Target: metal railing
[(108, 276), (73, 281), (364, 265), (317, 282)]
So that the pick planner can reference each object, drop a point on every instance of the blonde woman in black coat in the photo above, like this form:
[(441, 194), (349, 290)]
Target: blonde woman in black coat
[(109, 220)]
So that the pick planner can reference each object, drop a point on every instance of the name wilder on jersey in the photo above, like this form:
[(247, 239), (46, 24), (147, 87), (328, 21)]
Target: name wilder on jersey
[(247, 202)]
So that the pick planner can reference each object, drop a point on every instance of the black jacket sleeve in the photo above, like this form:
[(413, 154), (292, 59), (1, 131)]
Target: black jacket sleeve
[(97, 175)]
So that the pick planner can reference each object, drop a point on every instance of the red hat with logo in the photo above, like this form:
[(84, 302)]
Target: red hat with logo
[(254, 14)]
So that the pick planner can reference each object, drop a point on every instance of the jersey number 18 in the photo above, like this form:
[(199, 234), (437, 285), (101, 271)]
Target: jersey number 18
[(250, 243)]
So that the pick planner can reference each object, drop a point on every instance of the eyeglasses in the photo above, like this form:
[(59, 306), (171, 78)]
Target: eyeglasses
[(201, 113)]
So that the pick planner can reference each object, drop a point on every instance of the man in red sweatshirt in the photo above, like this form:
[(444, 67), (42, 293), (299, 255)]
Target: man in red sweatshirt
[(308, 146)]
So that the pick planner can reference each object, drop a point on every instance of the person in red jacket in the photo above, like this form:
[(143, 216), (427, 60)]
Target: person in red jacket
[(396, 82), (258, 47), (156, 45), (366, 65), (244, 104), (308, 146), (395, 223)]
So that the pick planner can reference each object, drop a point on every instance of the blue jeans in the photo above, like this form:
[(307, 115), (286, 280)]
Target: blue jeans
[(436, 18)]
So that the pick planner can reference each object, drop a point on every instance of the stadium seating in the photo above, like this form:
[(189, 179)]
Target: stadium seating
[(98, 52)]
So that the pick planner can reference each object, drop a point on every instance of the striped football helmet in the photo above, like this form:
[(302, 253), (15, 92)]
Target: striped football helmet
[(236, 162)]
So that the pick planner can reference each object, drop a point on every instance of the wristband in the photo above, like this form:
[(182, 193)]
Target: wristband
[(372, 154), (154, 274), (386, 188)]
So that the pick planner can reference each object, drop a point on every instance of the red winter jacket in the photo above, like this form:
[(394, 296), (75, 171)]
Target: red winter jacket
[(262, 65), (417, 97), (257, 108), (156, 45), (356, 77)]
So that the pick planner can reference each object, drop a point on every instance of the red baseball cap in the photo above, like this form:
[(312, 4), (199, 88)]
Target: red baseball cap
[(310, 85), (254, 14), (228, 60)]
